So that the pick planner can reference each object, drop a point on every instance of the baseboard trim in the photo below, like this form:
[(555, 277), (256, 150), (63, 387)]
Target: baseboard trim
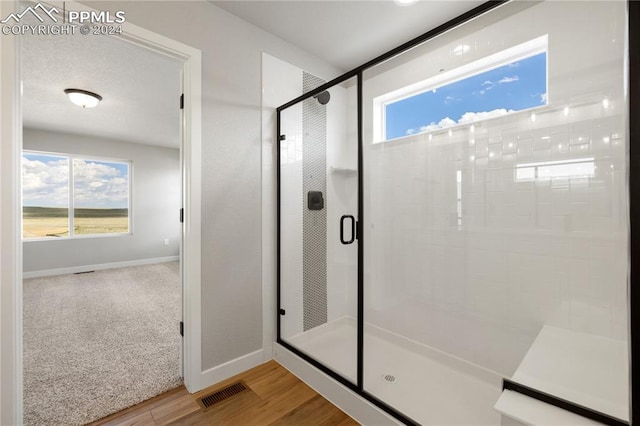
[(101, 266), (231, 368)]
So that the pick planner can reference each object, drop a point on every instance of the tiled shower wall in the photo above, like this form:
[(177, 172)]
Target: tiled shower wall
[(318, 274), (314, 222), (480, 281)]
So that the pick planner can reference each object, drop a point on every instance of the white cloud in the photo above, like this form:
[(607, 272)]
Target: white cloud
[(89, 171), (445, 122), (99, 185), (470, 117), (45, 183), (450, 99), (486, 86), (467, 117), (509, 79)]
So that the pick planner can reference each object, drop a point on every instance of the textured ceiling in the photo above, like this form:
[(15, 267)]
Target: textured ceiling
[(140, 88), (347, 34)]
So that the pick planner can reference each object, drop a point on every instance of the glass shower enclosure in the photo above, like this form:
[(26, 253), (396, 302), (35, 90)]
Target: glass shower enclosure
[(453, 218)]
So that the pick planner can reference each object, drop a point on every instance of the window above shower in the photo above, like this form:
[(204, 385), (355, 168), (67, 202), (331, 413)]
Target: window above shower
[(510, 81)]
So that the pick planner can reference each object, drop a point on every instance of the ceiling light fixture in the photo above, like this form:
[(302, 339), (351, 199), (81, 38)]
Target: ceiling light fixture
[(83, 98)]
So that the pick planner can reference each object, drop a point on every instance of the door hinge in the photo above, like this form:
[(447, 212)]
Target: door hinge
[(182, 101), (182, 215), (182, 328), (283, 137), (282, 312)]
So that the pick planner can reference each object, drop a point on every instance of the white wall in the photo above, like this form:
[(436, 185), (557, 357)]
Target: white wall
[(529, 253), (156, 198), (231, 162)]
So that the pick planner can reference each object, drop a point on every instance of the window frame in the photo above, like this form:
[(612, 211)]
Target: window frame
[(71, 189), (504, 57)]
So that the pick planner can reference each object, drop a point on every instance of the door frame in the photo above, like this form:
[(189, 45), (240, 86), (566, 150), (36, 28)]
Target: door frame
[(11, 326)]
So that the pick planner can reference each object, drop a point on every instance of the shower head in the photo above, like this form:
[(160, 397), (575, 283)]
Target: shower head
[(323, 97)]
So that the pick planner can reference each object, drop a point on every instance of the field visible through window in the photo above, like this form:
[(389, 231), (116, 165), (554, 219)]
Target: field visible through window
[(98, 190), (44, 222)]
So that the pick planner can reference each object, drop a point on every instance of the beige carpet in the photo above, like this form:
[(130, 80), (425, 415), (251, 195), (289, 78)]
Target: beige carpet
[(97, 343)]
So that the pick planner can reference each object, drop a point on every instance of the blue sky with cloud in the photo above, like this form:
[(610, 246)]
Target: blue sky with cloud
[(513, 87), (97, 184)]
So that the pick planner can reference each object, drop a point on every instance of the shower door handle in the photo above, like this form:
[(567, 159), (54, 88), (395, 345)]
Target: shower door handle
[(353, 229)]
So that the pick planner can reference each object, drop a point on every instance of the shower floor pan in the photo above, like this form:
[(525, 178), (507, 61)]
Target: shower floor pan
[(425, 384)]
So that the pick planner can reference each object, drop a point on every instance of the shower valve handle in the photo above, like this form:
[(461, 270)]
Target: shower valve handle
[(353, 229)]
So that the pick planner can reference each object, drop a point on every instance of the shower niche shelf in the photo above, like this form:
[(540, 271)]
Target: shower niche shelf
[(344, 171)]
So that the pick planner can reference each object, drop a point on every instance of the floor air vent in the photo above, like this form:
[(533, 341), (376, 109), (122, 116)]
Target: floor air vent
[(222, 395)]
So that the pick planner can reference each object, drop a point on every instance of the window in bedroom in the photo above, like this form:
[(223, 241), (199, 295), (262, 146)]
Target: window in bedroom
[(96, 191)]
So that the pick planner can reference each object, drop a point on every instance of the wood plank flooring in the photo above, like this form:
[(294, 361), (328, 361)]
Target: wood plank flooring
[(275, 397)]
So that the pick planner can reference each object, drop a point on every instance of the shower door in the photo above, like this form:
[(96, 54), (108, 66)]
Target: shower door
[(318, 222)]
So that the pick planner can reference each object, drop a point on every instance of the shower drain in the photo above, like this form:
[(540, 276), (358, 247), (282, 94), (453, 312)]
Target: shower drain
[(389, 378)]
